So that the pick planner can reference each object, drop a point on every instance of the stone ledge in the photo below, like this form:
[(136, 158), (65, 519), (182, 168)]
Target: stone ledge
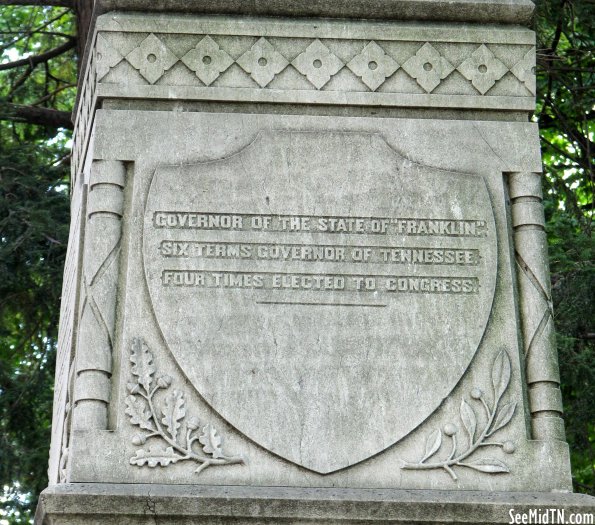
[(193, 504), (501, 11)]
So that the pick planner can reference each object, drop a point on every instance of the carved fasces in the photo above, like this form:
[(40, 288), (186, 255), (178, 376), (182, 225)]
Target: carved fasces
[(99, 288), (535, 300), (176, 436), (477, 431)]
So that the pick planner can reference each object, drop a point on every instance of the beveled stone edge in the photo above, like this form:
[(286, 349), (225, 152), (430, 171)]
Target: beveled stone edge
[(286, 503), (413, 31), (499, 11), (315, 97)]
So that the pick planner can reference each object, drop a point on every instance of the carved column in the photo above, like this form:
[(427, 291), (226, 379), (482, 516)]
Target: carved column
[(100, 279), (541, 360)]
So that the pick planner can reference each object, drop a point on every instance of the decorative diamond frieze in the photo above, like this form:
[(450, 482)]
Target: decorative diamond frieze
[(524, 70), (428, 67), (483, 69), (207, 60), (262, 62), (317, 63), (107, 56), (152, 58), (262, 59), (373, 65)]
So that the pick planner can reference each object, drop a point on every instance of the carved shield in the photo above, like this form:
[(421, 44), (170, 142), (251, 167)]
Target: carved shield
[(322, 293)]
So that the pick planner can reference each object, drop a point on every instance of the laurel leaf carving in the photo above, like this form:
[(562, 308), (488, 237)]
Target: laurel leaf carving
[(433, 443), (500, 374), (504, 416), (469, 419), (496, 417), (489, 465)]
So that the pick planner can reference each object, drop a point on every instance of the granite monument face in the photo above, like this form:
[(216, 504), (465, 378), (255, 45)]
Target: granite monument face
[(308, 253)]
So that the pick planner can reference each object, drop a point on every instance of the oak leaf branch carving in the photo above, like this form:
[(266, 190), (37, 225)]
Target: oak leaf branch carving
[(177, 434)]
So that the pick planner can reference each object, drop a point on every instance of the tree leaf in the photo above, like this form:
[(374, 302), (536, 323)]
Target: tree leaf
[(469, 419), (432, 444), (173, 412), (500, 375), (489, 465), (504, 415), (142, 360), (155, 456), (138, 411), (211, 442)]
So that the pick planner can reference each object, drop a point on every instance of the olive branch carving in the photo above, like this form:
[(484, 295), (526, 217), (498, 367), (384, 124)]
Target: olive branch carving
[(497, 417), (177, 434)]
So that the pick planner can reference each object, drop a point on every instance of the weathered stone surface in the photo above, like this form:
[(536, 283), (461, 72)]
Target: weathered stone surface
[(312, 255), (187, 172), (303, 265), (183, 504)]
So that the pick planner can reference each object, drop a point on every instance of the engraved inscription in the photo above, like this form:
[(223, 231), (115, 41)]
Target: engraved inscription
[(258, 254), (317, 252), (255, 255), (292, 223), (289, 281)]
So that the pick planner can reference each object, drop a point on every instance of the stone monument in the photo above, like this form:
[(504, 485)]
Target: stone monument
[(307, 269)]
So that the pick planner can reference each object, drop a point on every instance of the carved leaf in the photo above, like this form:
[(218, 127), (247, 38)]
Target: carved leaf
[(469, 419), (500, 375), (504, 416), (155, 456), (489, 465), (173, 412), (139, 413), (142, 360), (432, 444), (211, 442)]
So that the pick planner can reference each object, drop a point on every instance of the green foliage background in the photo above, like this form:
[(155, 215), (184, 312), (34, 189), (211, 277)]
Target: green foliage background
[(34, 223), (34, 217), (565, 109)]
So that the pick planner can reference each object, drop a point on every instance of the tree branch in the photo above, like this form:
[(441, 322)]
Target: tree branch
[(41, 116), (40, 3), (38, 59), (53, 93), (26, 33), (19, 82)]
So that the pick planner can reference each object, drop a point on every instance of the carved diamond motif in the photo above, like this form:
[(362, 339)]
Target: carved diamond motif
[(152, 58), (207, 60), (262, 62), (428, 67), (107, 57), (373, 65), (524, 70), (317, 63), (483, 69)]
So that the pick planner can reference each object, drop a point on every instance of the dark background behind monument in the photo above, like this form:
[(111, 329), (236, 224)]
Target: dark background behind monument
[(34, 224)]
